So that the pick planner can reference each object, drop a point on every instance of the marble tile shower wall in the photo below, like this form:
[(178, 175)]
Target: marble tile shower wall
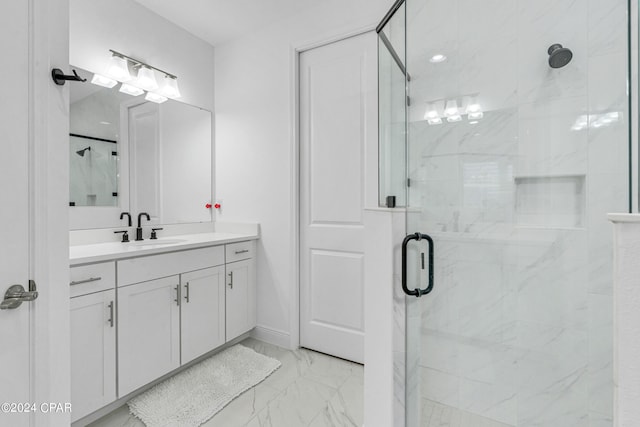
[(519, 328)]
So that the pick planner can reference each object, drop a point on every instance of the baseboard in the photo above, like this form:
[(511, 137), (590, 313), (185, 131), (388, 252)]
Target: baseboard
[(271, 336)]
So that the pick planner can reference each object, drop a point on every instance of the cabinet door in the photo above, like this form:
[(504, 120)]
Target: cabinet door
[(93, 352), (148, 332), (240, 297), (203, 312)]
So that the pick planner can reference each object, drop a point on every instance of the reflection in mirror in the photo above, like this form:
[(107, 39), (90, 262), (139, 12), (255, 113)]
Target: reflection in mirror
[(128, 154), (94, 125), (93, 171)]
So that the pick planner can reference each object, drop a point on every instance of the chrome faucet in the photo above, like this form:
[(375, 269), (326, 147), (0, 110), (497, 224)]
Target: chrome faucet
[(139, 229)]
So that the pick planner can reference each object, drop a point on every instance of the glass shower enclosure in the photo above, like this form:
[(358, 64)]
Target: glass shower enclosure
[(504, 133)]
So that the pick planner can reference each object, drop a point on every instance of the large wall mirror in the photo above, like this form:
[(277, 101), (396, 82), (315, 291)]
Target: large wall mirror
[(131, 155)]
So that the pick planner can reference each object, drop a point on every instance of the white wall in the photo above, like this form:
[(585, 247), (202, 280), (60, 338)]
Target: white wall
[(254, 134), (125, 26), (626, 317)]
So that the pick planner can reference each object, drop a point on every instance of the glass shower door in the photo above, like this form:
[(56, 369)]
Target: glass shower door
[(516, 149)]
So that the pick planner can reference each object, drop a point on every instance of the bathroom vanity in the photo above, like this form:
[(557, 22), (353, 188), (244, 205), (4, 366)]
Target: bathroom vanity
[(142, 310)]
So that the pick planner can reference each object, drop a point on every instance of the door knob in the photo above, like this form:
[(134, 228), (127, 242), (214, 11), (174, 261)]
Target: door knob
[(16, 295)]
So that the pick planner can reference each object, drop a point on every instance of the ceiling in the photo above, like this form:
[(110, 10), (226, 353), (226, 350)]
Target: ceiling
[(218, 21)]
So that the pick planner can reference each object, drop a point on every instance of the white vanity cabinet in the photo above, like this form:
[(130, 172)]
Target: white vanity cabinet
[(202, 326), (161, 318), (93, 338), (168, 309), (148, 332), (240, 289)]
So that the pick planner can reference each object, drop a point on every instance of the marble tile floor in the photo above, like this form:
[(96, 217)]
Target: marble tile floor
[(438, 415), (310, 389)]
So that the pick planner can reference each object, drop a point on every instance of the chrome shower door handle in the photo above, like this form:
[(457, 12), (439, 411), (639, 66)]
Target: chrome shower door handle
[(417, 292)]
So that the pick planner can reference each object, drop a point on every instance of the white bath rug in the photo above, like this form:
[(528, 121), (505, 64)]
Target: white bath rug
[(193, 396)]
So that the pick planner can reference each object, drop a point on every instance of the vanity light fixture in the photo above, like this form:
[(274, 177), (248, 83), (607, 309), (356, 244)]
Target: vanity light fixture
[(169, 87), (118, 68), (473, 107), (146, 79), (432, 116), (104, 81), (439, 110), (131, 90), (154, 97), (146, 76), (451, 108)]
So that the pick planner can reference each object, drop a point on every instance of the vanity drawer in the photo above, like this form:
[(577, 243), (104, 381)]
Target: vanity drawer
[(87, 279), (151, 267), (239, 251)]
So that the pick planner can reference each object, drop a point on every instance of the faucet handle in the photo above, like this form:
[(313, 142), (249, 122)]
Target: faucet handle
[(125, 235), (153, 233)]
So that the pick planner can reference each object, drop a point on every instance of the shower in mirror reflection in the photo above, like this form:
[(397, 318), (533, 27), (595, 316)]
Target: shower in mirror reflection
[(82, 152)]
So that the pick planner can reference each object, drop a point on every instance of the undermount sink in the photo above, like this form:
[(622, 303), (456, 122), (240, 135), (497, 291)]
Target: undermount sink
[(158, 242)]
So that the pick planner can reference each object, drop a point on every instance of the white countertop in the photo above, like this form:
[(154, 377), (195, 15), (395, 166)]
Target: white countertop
[(624, 217), (84, 254)]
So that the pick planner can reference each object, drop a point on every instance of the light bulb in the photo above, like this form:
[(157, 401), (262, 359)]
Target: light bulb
[(436, 121), (475, 116), (431, 113), (170, 87), (454, 118), (473, 108), (131, 90), (451, 108), (438, 58), (146, 79), (118, 68), (154, 97), (100, 80)]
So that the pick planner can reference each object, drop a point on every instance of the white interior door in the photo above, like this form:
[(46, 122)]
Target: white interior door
[(145, 160), (337, 138), (14, 214)]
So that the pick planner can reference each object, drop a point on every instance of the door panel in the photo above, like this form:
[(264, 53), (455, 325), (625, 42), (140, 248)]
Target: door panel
[(145, 160), (336, 273), (202, 317), (239, 297), (337, 91), (93, 352), (14, 216), (148, 332)]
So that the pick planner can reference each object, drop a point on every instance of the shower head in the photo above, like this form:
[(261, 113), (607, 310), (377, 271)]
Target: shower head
[(559, 56), (81, 152)]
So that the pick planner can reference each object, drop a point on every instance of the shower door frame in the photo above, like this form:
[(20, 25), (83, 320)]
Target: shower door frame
[(633, 106)]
